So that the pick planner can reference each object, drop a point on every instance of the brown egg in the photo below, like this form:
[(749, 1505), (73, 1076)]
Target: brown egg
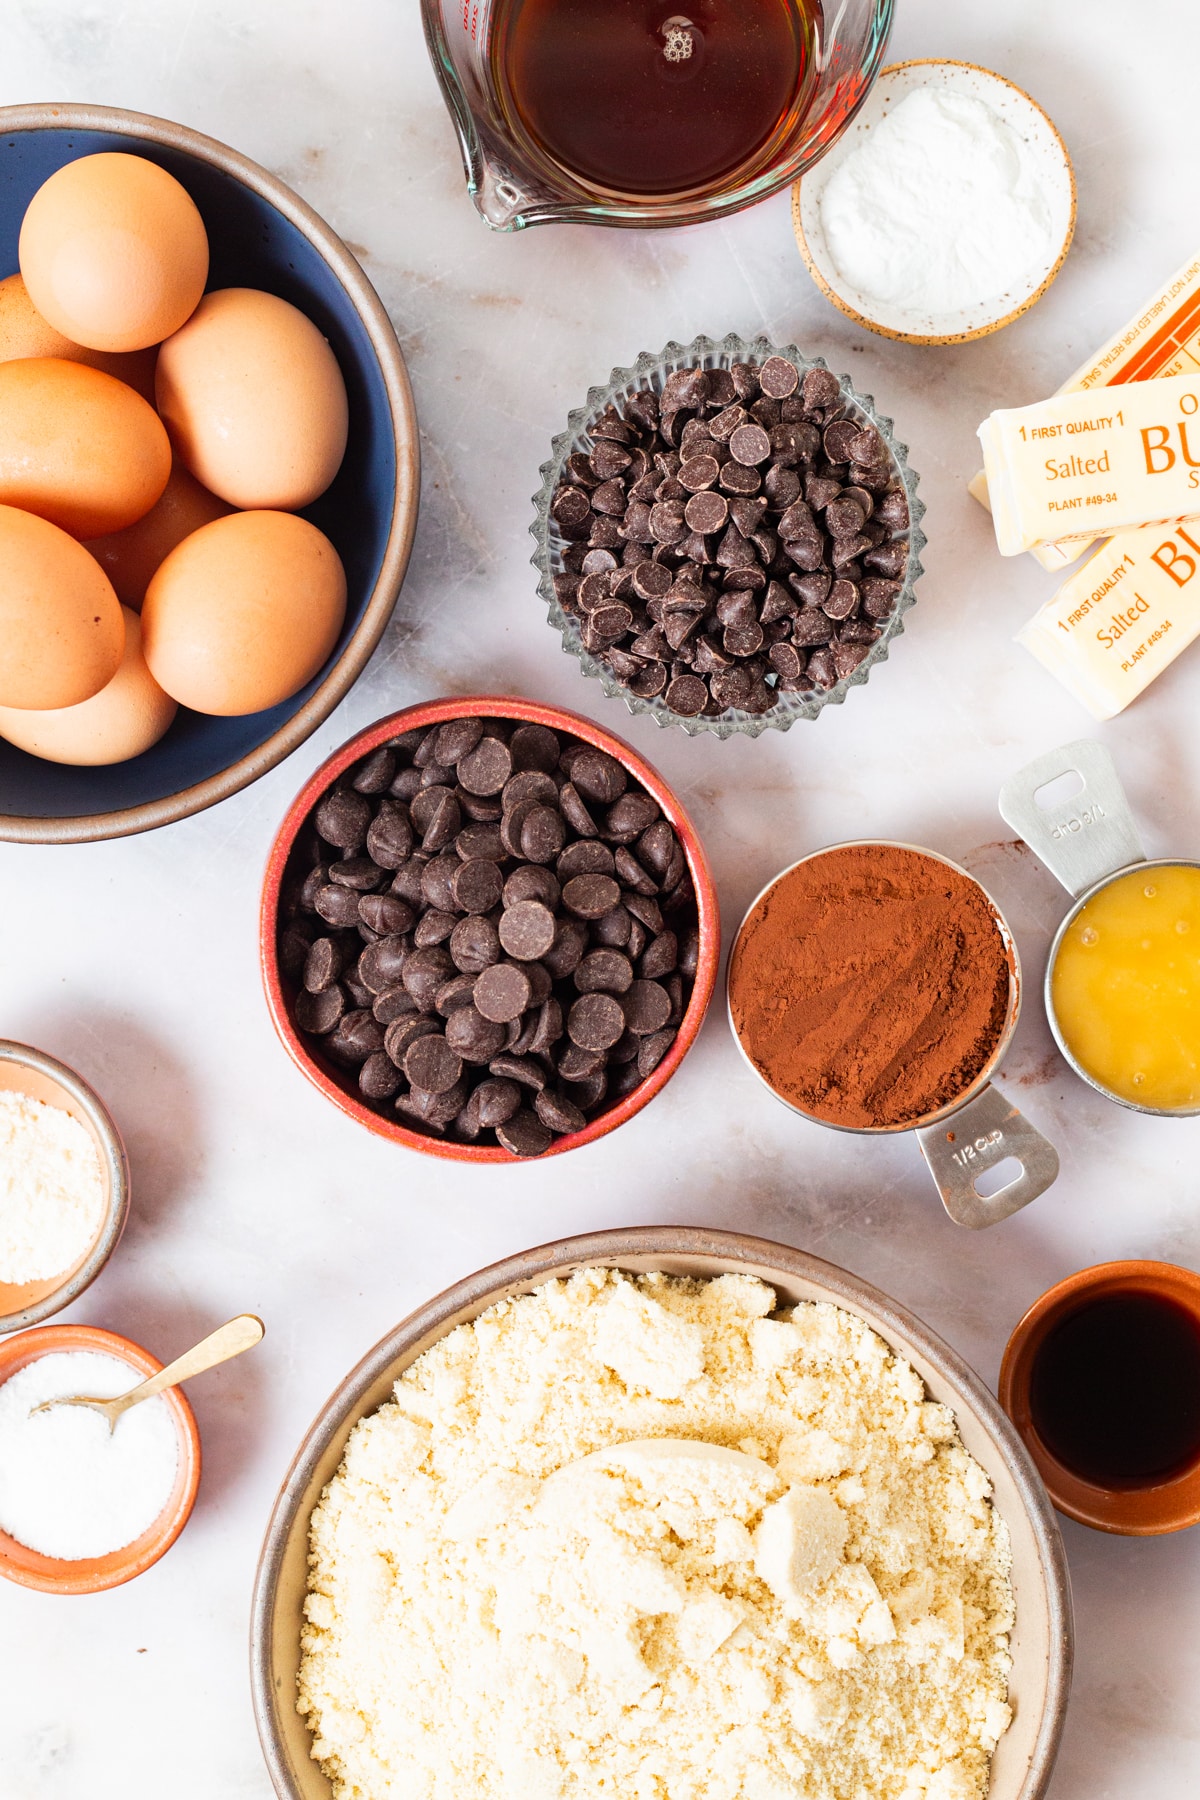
[(254, 400), (62, 632), (78, 447), (114, 252), (24, 332), (244, 612), (128, 715), (130, 557)]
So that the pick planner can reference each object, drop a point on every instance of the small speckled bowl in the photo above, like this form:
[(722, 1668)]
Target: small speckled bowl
[(92, 1574), (41, 1077), (1030, 123), (652, 372)]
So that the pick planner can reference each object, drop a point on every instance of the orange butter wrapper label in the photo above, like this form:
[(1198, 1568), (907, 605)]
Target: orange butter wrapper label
[(1122, 617), (1162, 338), (1084, 465)]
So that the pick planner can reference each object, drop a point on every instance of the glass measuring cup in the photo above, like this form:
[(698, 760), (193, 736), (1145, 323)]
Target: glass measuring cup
[(975, 1132), (1088, 840), (514, 182)]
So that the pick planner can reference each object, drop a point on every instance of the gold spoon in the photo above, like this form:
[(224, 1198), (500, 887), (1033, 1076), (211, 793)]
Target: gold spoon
[(230, 1340)]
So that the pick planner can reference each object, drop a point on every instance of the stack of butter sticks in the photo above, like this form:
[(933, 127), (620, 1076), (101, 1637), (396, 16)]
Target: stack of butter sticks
[(1114, 455)]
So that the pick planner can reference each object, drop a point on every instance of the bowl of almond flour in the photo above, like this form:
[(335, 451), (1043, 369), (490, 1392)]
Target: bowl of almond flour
[(668, 1514)]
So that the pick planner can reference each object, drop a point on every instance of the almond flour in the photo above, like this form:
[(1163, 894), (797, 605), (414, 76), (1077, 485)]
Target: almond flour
[(650, 1537)]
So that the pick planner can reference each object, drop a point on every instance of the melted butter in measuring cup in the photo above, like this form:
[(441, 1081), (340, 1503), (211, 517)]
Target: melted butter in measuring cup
[(1125, 987)]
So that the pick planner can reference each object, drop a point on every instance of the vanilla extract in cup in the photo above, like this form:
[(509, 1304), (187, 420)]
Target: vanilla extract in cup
[(636, 98), (1114, 1389)]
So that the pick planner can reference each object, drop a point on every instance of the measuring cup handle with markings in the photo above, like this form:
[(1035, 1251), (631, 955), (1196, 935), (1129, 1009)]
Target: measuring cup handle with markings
[(1085, 837), (965, 1144)]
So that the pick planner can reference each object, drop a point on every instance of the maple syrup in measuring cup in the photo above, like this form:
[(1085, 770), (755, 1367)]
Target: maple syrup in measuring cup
[(651, 96), (647, 112)]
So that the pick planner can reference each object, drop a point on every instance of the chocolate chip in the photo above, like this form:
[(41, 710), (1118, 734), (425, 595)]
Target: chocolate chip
[(595, 1022), (524, 1134), (706, 512), (687, 695), (389, 838), (319, 1013), (543, 834), (424, 971), (557, 1113), (647, 1007), (472, 1037), (379, 1078), (586, 856), (502, 992), (496, 1102), (603, 971), (342, 818), (356, 1036), (598, 776), (778, 377), (527, 930), (323, 964), (590, 896), (375, 773), (651, 1051), (486, 769), (519, 1068), (570, 942), (749, 445), (820, 388)]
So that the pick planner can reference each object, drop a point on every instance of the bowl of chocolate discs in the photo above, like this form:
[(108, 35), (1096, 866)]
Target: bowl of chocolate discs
[(489, 930), (728, 536)]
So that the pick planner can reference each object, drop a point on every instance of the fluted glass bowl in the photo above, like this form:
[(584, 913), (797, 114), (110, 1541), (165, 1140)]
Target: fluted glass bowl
[(652, 372)]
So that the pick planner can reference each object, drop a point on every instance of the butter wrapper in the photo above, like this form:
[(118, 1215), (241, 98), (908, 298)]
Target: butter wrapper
[(1086, 465), (1122, 617), (1162, 338)]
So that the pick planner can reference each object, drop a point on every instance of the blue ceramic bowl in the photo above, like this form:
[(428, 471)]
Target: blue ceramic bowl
[(261, 235)]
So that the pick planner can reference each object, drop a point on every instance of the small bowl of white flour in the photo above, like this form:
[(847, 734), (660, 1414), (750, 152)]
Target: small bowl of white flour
[(64, 1186), (944, 212)]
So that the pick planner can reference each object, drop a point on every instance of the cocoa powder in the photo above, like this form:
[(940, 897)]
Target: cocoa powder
[(870, 985)]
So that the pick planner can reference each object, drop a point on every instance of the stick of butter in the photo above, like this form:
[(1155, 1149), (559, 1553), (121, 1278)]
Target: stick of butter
[(1085, 465), (1162, 338), (1121, 618)]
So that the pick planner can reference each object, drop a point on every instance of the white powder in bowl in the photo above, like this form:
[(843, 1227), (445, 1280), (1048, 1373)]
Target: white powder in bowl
[(69, 1486), (939, 207), (51, 1189), (647, 1537)]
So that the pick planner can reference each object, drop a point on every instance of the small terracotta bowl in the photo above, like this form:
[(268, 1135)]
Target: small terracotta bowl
[(339, 1086), (27, 1071), (92, 1574), (1148, 1511)]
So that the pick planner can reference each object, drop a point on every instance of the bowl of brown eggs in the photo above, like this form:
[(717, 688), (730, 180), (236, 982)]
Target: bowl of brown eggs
[(208, 472)]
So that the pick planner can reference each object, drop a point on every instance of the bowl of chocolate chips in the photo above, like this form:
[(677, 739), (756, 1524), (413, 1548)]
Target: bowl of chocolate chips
[(728, 536), (488, 930)]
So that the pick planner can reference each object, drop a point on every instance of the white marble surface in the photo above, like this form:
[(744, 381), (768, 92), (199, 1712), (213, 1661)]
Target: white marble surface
[(135, 960)]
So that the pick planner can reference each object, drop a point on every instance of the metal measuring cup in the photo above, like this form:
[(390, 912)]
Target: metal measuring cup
[(977, 1130), (1087, 841)]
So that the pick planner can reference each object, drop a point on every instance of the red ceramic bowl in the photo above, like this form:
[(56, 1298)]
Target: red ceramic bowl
[(339, 1087), (92, 1574)]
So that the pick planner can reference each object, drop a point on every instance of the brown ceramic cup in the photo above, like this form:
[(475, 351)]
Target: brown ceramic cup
[(1144, 1511)]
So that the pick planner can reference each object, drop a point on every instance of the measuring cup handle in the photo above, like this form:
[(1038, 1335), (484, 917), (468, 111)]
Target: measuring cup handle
[(1081, 839), (979, 1136)]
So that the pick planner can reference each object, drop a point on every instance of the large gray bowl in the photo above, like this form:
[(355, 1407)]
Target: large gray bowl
[(1043, 1639)]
